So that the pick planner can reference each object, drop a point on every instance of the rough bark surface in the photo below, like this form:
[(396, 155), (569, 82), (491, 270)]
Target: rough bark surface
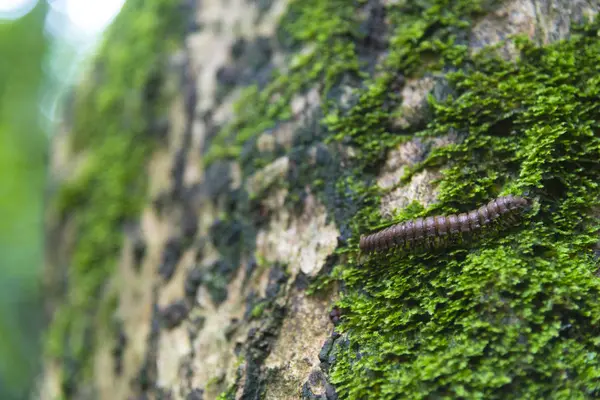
[(209, 289)]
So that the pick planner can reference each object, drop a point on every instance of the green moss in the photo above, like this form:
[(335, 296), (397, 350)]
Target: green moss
[(513, 315), (229, 394), (326, 29), (257, 310), (423, 42), (113, 116)]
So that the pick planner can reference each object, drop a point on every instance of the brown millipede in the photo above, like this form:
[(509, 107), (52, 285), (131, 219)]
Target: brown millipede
[(431, 229)]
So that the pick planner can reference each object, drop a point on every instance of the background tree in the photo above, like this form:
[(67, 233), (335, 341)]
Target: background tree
[(226, 157)]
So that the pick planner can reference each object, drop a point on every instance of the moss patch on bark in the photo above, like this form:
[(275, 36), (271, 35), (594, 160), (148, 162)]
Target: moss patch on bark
[(511, 313), (515, 314)]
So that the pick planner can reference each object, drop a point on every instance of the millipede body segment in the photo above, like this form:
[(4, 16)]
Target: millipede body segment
[(431, 229)]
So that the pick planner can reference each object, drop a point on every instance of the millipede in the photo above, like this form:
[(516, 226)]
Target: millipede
[(437, 229)]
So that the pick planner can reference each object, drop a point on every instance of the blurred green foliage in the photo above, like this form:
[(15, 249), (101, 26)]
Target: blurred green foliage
[(114, 113), (22, 174)]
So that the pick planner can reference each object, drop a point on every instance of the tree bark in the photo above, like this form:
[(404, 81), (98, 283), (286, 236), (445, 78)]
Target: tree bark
[(225, 276)]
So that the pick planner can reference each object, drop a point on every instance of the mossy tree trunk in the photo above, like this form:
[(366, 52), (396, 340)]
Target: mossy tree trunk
[(223, 158)]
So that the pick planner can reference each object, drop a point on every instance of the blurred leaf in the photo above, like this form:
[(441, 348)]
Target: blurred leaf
[(22, 173)]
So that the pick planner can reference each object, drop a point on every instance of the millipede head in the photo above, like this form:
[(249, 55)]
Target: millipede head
[(515, 202)]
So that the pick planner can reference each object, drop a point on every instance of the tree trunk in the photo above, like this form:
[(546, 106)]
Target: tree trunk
[(222, 159)]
